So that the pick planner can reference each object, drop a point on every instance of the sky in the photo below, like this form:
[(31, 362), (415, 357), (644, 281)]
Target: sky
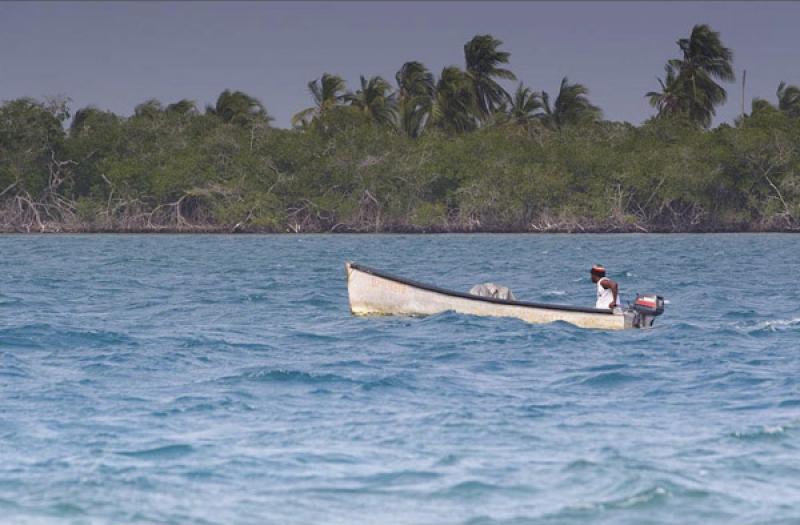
[(114, 55)]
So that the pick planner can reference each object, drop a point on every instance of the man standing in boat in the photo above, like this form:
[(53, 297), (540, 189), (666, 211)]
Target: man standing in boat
[(607, 290)]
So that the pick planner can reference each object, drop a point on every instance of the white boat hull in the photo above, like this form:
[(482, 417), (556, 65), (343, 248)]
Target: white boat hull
[(376, 293)]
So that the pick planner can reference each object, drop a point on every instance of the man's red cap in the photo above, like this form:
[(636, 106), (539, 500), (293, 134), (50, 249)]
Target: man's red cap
[(598, 269)]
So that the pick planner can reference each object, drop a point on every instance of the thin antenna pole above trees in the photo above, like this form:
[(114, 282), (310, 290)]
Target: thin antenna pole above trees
[(744, 78)]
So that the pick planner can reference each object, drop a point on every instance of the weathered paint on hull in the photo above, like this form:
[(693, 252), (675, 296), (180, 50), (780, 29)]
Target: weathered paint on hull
[(372, 294)]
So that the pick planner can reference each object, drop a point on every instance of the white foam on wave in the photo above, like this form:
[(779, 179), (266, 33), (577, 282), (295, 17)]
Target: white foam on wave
[(785, 322), (763, 432), (583, 505), (634, 500), (644, 497), (777, 324)]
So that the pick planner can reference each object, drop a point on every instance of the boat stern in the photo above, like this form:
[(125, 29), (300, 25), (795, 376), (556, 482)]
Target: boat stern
[(348, 270)]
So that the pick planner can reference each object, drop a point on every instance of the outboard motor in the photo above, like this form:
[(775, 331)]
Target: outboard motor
[(644, 310)]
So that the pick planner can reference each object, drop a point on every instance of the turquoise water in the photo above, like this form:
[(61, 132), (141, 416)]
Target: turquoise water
[(221, 380)]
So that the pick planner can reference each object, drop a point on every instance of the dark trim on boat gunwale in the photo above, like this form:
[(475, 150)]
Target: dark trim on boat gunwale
[(431, 288)]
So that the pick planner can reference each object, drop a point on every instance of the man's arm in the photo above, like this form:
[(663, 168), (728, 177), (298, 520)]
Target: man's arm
[(608, 283)]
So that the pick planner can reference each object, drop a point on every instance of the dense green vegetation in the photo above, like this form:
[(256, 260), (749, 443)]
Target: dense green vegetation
[(453, 153)]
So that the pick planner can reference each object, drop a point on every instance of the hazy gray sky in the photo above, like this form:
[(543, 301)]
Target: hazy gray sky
[(117, 54)]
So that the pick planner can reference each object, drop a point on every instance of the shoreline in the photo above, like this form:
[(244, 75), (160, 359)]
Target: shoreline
[(61, 229)]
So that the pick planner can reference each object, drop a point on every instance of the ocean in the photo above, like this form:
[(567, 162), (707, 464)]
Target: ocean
[(198, 379)]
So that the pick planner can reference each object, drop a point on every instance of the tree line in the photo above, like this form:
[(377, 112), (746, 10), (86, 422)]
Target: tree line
[(453, 153)]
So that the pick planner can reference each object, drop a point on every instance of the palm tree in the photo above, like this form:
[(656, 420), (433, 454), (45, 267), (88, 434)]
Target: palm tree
[(182, 107), (525, 105), (571, 106), (327, 92), (84, 117), (236, 107), (668, 101), (149, 109), (789, 99), (761, 106), (692, 79), (415, 92), (454, 107), (374, 100), (483, 61), (414, 80)]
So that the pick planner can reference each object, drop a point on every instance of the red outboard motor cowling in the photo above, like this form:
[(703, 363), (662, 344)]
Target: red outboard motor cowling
[(649, 304), (644, 310)]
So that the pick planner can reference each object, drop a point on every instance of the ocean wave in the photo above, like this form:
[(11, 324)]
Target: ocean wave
[(774, 325), (202, 404), (316, 337), (13, 366), (14, 371), (66, 509), (580, 511), (609, 379), (8, 301), (165, 452), (476, 489), (580, 465), (765, 432), (46, 335), (199, 341), (398, 478), (388, 382), (322, 458), (283, 375), (607, 367), (646, 498), (682, 327)]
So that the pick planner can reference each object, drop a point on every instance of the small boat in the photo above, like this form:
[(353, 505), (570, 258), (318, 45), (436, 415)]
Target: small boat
[(374, 292)]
